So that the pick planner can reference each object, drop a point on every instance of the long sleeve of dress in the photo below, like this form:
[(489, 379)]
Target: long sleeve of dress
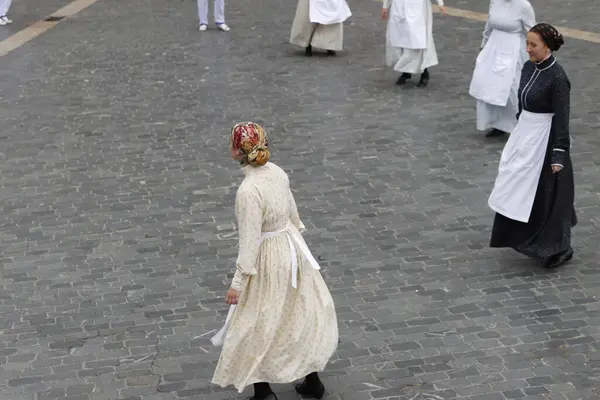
[(248, 211), (294, 216), (528, 18), (487, 31), (561, 106)]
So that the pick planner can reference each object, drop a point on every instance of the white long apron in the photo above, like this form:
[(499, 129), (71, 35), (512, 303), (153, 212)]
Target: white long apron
[(295, 246), (520, 167), (407, 28), (496, 68), (328, 12)]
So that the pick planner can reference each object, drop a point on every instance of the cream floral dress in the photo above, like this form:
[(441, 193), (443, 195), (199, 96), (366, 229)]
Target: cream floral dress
[(278, 333)]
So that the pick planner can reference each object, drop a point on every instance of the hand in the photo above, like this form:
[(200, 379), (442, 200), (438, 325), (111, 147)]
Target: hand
[(443, 10), (556, 168), (232, 296), (384, 14)]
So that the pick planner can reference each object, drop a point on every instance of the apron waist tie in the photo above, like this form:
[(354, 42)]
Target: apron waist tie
[(219, 338), (295, 245)]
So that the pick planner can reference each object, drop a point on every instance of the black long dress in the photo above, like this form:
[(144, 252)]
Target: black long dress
[(545, 88)]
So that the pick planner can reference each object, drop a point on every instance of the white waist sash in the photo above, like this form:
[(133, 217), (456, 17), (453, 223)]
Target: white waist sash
[(293, 242), (219, 338), (520, 167)]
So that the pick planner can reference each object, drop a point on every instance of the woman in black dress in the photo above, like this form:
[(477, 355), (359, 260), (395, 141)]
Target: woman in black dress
[(544, 90)]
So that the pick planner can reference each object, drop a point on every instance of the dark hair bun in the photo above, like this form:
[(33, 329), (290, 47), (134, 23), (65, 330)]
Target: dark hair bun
[(558, 42)]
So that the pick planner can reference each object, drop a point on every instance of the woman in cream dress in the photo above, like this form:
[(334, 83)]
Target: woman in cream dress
[(284, 327)]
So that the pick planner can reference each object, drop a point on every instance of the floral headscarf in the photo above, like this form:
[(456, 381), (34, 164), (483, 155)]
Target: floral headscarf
[(250, 140)]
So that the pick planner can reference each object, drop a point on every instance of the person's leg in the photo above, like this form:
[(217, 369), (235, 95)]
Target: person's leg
[(219, 12), (424, 78), (7, 4), (403, 78), (220, 15), (302, 29), (203, 12), (4, 7)]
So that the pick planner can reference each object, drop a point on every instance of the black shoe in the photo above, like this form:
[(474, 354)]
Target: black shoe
[(495, 133), (424, 79), (308, 51), (271, 396), (559, 259), (403, 78), (331, 52), (311, 390)]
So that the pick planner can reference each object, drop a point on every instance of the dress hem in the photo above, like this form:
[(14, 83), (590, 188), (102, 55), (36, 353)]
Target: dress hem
[(530, 254), (271, 381), (504, 127)]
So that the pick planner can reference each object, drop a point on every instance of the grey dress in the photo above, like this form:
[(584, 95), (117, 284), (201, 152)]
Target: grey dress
[(510, 16)]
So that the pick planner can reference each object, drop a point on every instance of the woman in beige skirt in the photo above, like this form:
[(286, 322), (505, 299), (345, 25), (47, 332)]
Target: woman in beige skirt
[(284, 327)]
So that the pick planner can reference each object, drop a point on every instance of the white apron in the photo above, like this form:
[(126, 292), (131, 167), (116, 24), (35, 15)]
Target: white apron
[(496, 68), (328, 12), (520, 167), (407, 28), (219, 338)]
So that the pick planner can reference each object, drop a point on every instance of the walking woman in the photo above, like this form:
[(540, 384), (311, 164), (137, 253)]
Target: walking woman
[(497, 73), (320, 24), (284, 326), (410, 48), (534, 192)]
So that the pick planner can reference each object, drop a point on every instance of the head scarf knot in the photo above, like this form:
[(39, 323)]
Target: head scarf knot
[(250, 140), (550, 35)]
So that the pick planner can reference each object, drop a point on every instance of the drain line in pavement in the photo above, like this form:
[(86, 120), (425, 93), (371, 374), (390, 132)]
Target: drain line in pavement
[(37, 28)]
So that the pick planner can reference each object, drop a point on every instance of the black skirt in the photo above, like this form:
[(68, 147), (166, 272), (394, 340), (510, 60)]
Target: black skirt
[(548, 231)]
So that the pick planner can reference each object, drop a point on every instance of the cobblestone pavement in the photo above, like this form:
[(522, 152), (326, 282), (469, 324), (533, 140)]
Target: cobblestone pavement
[(25, 12), (117, 234)]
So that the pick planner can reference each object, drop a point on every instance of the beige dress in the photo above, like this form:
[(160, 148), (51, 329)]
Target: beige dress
[(278, 333), (304, 32)]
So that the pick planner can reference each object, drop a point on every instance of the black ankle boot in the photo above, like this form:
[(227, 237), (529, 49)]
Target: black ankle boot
[(495, 133), (262, 391), (308, 51), (424, 79), (403, 78), (312, 387), (559, 259), (271, 396)]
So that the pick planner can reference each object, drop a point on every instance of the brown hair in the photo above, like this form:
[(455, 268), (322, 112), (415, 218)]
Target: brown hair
[(258, 156)]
